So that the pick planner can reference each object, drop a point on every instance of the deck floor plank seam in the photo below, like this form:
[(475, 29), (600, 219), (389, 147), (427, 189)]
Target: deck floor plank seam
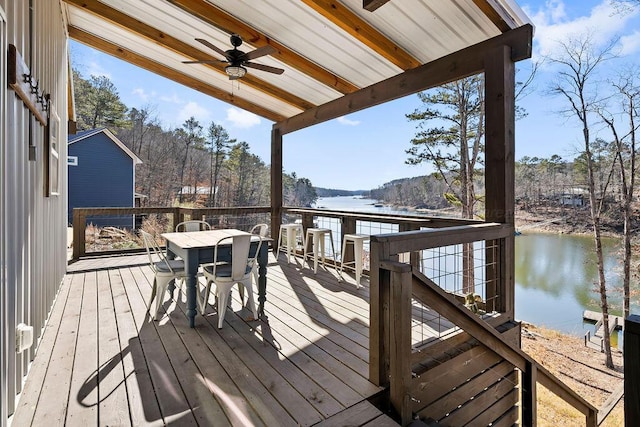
[(321, 337), (305, 362), (255, 397), (308, 298), (324, 324), (171, 398), (31, 392), (325, 320), (54, 396), (203, 404), (143, 403), (83, 408), (114, 404)]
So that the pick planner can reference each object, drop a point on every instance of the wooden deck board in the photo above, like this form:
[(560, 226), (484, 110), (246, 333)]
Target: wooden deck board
[(29, 398), (83, 405), (103, 362)]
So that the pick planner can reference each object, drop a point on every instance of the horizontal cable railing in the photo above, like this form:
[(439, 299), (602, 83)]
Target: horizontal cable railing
[(113, 230)]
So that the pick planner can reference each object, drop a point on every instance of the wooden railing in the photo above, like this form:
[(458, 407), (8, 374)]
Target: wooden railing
[(82, 216), (347, 220), (393, 286)]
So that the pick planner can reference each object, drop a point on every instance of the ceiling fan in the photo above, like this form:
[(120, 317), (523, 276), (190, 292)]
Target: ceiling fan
[(238, 59)]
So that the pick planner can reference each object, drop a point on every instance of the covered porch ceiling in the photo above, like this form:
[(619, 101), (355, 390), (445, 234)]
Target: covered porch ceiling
[(338, 56)]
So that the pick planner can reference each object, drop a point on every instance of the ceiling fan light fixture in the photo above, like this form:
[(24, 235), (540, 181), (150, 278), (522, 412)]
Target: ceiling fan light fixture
[(235, 71)]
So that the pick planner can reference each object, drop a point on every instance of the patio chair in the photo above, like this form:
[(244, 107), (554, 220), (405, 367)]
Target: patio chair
[(260, 230), (193, 225), (225, 274), (164, 270)]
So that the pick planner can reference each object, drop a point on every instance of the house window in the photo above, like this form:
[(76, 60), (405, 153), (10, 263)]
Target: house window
[(72, 161)]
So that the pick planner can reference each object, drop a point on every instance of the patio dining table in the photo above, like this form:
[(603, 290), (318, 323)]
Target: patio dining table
[(196, 247)]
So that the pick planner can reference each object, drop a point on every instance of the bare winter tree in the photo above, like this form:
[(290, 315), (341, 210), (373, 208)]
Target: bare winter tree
[(628, 91), (578, 62)]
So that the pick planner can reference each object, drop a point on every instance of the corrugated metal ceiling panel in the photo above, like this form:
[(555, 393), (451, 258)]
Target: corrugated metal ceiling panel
[(424, 29), (156, 53)]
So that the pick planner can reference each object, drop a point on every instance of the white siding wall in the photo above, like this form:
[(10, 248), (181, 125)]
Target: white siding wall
[(32, 227)]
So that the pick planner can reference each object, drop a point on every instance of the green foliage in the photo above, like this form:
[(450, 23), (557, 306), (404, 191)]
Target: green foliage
[(98, 103), (450, 136)]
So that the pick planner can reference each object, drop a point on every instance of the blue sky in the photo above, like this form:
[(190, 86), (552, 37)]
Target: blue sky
[(366, 149)]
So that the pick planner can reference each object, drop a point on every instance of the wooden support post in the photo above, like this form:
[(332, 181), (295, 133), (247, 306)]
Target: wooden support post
[(400, 340), (500, 165), (178, 217), (379, 281), (348, 227), (79, 228), (276, 180), (529, 395), (412, 258), (632, 370)]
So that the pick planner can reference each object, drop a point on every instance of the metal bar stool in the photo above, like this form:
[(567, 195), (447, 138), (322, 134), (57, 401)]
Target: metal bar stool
[(291, 233), (318, 236), (357, 240)]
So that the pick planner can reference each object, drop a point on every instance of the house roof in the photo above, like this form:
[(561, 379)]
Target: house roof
[(328, 49), (83, 135)]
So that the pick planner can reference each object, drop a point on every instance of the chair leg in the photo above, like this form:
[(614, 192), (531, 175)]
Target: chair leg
[(241, 294), (162, 283), (250, 302), (153, 294), (205, 297), (223, 298)]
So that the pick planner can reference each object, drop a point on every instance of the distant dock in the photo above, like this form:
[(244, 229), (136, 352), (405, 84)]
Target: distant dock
[(596, 341), (596, 316)]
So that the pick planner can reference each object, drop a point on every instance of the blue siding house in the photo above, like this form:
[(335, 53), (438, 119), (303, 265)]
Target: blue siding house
[(101, 174)]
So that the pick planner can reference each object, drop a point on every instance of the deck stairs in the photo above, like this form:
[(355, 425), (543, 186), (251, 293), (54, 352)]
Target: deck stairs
[(478, 375)]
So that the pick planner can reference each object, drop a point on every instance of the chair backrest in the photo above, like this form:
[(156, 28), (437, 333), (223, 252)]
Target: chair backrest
[(193, 225), (260, 230), (154, 250), (241, 260)]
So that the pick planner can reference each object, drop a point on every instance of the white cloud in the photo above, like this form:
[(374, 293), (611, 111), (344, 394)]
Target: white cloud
[(95, 69), (630, 44), (193, 109), (140, 92), (344, 121), (174, 99), (553, 25), (242, 119)]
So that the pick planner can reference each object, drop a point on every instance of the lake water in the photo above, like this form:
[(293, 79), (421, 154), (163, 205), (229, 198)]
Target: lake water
[(555, 274)]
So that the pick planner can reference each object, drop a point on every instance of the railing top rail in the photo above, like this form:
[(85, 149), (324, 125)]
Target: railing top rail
[(381, 217), (141, 210), (426, 239)]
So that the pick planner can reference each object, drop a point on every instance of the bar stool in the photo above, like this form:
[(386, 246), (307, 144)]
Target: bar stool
[(291, 233), (318, 236), (357, 240)]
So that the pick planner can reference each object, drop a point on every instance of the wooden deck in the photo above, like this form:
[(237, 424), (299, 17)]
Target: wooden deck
[(103, 362)]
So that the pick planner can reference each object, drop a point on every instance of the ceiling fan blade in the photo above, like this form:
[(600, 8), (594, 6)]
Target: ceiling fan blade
[(205, 61), (212, 46), (257, 53), (262, 67)]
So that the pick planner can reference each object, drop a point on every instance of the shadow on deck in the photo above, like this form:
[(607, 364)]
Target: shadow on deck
[(103, 362)]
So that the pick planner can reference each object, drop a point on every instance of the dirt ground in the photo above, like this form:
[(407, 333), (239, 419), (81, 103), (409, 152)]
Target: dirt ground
[(579, 367)]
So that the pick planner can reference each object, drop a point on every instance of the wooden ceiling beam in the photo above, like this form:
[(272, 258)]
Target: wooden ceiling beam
[(229, 24), (141, 29), (455, 66), (496, 14), (169, 73), (337, 13), (372, 5)]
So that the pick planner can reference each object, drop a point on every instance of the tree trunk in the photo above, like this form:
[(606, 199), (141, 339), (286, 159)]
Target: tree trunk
[(595, 216)]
